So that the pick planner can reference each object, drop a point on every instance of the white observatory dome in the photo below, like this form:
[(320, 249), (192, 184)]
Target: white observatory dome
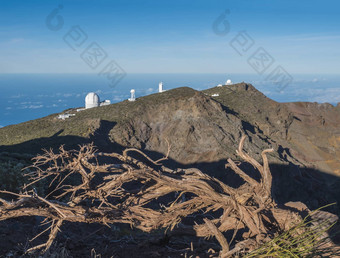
[(133, 97), (228, 82), (92, 100)]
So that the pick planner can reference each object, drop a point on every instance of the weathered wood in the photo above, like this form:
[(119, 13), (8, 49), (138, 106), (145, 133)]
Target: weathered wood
[(91, 201)]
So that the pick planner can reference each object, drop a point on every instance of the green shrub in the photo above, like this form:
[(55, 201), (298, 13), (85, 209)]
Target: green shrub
[(12, 175), (13, 167)]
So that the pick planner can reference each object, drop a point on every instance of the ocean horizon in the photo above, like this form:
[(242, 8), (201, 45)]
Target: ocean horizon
[(30, 96)]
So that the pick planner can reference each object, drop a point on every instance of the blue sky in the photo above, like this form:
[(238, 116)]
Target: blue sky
[(171, 36)]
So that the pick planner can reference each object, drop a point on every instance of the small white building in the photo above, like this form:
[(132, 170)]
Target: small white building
[(65, 116), (105, 103)]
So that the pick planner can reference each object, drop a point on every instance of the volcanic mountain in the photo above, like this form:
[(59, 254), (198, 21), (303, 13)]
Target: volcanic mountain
[(203, 129)]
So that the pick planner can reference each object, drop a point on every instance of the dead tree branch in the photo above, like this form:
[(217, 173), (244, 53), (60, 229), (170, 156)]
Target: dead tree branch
[(101, 196)]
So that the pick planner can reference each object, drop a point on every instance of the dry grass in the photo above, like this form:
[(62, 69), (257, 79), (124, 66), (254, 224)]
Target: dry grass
[(308, 238)]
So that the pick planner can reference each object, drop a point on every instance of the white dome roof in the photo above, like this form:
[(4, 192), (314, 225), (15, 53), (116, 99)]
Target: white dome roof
[(228, 82), (92, 100)]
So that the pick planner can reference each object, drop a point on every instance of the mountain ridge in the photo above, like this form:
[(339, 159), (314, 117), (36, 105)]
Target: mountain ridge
[(201, 127)]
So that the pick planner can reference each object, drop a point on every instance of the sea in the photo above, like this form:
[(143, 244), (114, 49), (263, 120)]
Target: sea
[(30, 96)]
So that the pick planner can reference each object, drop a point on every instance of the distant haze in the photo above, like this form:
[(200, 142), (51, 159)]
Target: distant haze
[(29, 96)]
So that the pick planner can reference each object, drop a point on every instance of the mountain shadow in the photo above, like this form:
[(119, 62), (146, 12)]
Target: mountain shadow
[(99, 137), (313, 187)]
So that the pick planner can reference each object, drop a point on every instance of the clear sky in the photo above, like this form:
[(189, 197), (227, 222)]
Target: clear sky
[(170, 36)]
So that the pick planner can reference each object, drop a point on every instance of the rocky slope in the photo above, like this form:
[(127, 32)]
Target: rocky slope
[(315, 135), (205, 130), (201, 128), (307, 131)]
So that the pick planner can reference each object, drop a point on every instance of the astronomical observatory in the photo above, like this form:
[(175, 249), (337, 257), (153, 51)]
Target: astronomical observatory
[(160, 87), (133, 92), (228, 82), (133, 97), (92, 100)]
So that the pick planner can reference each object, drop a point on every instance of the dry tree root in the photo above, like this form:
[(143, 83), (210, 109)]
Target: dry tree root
[(102, 196)]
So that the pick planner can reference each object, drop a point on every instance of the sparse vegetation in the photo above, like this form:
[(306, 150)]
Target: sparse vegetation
[(83, 123), (308, 238), (12, 169)]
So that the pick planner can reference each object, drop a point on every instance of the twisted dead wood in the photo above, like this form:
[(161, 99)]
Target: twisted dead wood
[(101, 196)]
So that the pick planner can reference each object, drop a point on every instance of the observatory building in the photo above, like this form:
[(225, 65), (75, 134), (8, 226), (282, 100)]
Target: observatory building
[(133, 97), (228, 82), (92, 100), (160, 87)]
